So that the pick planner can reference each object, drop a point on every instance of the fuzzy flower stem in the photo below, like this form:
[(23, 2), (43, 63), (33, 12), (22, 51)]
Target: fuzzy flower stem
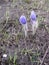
[(25, 28), (34, 27)]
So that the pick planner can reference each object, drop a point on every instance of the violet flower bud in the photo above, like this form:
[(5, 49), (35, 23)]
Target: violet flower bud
[(23, 20)]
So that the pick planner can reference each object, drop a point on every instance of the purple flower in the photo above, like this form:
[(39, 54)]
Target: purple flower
[(33, 16), (23, 19)]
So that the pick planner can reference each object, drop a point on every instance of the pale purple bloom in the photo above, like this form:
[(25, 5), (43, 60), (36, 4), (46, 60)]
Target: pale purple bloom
[(34, 22), (33, 16)]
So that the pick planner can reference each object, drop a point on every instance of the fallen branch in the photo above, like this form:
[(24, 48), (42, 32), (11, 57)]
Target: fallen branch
[(44, 56)]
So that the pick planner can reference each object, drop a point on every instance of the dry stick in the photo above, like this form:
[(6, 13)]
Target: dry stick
[(46, 28), (44, 56), (44, 46)]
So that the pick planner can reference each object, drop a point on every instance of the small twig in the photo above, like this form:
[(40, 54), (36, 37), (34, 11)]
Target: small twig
[(44, 46), (46, 28), (44, 56)]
